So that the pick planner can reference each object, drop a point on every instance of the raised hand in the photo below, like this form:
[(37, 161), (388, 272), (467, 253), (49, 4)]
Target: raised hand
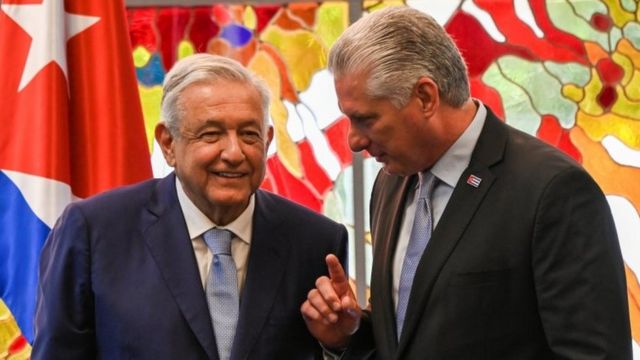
[(331, 311)]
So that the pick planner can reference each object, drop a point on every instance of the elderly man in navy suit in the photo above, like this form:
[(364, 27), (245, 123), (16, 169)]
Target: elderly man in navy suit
[(200, 264)]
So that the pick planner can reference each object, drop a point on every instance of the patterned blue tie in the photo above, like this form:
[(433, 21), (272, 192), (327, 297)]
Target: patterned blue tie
[(420, 235), (222, 290)]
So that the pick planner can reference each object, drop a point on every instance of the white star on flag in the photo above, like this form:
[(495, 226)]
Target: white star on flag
[(50, 27)]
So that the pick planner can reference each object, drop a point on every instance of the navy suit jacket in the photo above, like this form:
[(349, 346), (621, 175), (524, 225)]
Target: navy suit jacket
[(119, 280), (524, 266)]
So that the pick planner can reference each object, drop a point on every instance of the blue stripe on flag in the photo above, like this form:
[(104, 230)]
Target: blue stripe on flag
[(22, 235)]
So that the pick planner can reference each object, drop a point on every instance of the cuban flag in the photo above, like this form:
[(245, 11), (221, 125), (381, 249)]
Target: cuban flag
[(71, 127)]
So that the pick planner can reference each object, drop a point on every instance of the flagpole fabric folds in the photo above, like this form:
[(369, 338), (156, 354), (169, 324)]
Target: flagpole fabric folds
[(72, 127)]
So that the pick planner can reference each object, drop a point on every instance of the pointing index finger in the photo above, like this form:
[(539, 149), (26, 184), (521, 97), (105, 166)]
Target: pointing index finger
[(336, 273)]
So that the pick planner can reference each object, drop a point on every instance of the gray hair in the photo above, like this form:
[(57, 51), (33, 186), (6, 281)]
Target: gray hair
[(205, 68), (395, 46)]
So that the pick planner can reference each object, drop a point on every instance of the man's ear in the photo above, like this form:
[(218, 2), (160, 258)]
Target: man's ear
[(269, 136), (165, 140), (427, 92)]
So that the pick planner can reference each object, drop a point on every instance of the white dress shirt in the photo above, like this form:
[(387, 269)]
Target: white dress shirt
[(198, 223), (448, 170)]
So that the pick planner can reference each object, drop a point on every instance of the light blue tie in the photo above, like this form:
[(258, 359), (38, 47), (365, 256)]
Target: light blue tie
[(420, 235), (222, 290)]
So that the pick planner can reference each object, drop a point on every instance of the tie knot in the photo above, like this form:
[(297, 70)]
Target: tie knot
[(218, 240), (427, 182)]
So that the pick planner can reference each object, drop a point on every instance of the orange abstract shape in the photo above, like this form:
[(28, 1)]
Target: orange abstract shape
[(595, 52), (633, 293), (626, 48), (243, 54), (304, 11), (301, 50), (287, 91), (286, 21), (613, 178)]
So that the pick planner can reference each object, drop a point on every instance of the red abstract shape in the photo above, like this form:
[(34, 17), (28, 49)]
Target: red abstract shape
[(610, 72), (477, 46), (520, 35), (202, 28), (607, 97), (489, 96), (171, 23), (141, 29), (312, 171), (553, 134), (336, 135), (290, 186), (264, 14), (221, 14), (601, 22), (304, 11), (17, 344)]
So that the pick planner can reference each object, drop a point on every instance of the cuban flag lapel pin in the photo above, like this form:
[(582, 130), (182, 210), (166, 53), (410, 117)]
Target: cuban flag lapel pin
[(474, 181)]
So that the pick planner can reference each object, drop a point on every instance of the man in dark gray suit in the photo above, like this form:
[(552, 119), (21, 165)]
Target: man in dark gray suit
[(488, 243), (140, 272)]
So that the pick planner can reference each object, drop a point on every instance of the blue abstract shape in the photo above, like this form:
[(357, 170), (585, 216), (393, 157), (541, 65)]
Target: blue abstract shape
[(152, 73), (22, 235), (236, 35)]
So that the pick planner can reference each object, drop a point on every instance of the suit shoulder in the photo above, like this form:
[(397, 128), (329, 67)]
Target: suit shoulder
[(112, 201), (293, 210)]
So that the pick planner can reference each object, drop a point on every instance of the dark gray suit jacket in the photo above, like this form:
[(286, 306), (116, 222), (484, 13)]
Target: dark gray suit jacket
[(526, 266), (119, 280)]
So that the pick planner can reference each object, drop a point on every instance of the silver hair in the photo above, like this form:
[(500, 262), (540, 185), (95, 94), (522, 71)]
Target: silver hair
[(394, 47), (205, 68)]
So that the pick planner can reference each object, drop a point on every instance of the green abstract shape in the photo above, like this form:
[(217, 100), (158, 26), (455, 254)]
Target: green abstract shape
[(333, 19), (629, 5), (586, 8), (518, 109), (544, 90), (569, 73), (565, 16), (615, 35), (631, 31)]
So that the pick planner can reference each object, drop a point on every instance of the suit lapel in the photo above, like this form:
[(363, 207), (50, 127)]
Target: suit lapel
[(266, 265), (168, 241), (391, 202), (462, 205)]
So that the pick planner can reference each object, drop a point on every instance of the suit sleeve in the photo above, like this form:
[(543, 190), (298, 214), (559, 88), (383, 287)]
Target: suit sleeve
[(578, 271), (64, 314)]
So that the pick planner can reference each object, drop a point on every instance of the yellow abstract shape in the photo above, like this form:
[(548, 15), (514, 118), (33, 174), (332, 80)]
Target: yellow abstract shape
[(141, 56), (263, 65), (185, 48), (589, 103), (633, 86), (613, 178), (573, 92), (333, 19), (626, 48), (374, 5), (150, 98), (633, 293), (618, 14), (301, 50), (9, 333), (595, 52), (626, 64), (249, 18), (625, 106), (597, 127)]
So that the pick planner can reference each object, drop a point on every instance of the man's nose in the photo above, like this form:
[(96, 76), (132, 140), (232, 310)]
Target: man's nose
[(357, 140), (232, 151)]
